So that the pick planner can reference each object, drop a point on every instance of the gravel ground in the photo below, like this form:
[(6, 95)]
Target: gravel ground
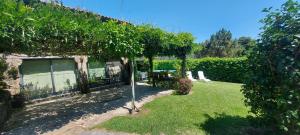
[(70, 116)]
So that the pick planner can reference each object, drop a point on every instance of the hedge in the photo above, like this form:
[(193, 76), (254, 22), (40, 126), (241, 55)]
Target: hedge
[(218, 69)]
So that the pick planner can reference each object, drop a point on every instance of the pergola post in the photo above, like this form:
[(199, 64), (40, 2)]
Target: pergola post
[(133, 107)]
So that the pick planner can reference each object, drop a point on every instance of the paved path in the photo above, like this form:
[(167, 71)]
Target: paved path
[(73, 116)]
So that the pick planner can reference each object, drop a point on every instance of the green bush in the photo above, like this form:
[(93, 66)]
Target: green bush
[(184, 86), (273, 87), (218, 69), (166, 64)]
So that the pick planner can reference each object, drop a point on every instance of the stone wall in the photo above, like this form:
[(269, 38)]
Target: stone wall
[(81, 62), (13, 61)]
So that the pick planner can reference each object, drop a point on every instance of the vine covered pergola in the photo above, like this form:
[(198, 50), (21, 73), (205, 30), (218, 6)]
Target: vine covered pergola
[(41, 29)]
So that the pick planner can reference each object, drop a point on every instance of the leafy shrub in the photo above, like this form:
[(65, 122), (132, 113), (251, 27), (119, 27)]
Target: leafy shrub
[(273, 87), (218, 69), (172, 84), (184, 86), (30, 91)]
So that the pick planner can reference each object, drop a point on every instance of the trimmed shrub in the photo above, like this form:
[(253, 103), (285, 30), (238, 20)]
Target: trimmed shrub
[(218, 69), (166, 64), (184, 86)]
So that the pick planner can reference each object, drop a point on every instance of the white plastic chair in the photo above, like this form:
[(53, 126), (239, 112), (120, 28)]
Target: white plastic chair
[(143, 76), (190, 76), (202, 77)]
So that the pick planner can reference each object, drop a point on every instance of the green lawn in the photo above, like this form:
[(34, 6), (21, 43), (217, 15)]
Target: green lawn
[(213, 108)]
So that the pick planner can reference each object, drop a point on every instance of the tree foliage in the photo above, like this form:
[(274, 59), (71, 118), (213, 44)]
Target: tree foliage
[(121, 40), (51, 29), (14, 22), (180, 45), (273, 89), (153, 41), (221, 44), (246, 44)]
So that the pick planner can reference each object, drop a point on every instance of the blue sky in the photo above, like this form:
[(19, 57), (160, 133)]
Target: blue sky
[(200, 17)]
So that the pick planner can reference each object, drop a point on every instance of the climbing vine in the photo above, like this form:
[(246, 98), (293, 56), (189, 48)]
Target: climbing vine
[(39, 29)]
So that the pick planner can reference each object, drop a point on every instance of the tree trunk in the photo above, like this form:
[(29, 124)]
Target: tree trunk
[(133, 107), (126, 70), (151, 71), (132, 84), (183, 67)]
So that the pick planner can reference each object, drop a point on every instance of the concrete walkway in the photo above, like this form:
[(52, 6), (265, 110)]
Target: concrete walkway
[(74, 116)]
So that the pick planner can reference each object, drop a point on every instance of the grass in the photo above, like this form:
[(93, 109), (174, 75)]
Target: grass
[(213, 108)]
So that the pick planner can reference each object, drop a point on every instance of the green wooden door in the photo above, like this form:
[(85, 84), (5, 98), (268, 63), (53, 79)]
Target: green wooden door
[(64, 74), (37, 77), (38, 81)]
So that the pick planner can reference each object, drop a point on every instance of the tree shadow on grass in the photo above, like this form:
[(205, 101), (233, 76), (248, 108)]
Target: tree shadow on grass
[(223, 124)]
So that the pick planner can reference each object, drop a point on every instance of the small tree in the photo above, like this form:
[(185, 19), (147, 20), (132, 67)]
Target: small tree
[(152, 40), (181, 45), (122, 40), (273, 89)]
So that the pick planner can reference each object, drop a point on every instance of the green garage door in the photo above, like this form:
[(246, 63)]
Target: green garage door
[(37, 77), (64, 75)]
